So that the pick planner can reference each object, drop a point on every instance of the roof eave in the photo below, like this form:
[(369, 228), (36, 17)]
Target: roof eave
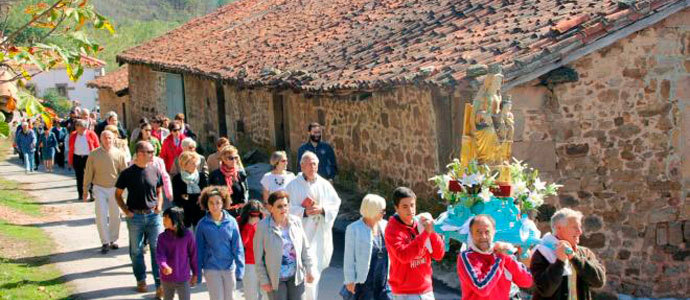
[(519, 78)]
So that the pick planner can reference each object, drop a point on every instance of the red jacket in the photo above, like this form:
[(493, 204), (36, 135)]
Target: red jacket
[(91, 139), (488, 276), (247, 233), (410, 260), (169, 151)]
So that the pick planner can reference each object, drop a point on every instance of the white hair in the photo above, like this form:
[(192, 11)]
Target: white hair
[(188, 142), (372, 205), (110, 114), (107, 132), (309, 155), (562, 216)]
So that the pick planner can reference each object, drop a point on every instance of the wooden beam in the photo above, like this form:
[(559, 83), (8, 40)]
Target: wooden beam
[(597, 45)]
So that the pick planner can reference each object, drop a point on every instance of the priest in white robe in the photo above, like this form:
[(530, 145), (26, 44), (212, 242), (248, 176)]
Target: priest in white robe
[(315, 200)]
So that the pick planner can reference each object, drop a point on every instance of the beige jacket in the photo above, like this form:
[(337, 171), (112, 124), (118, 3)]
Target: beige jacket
[(268, 251)]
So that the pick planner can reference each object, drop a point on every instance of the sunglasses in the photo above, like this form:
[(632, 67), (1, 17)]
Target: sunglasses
[(234, 158), (176, 130)]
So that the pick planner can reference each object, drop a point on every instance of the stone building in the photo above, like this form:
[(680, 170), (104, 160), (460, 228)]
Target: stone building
[(601, 93), (113, 93)]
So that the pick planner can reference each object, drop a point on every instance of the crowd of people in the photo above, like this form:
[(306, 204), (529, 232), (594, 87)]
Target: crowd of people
[(196, 218)]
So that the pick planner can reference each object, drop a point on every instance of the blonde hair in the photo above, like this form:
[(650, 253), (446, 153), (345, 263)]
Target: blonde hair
[(372, 205), (186, 157), (228, 150), (276, 157), (113, 129)]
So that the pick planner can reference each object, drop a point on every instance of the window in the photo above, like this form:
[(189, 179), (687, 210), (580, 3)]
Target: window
[(61, 89)]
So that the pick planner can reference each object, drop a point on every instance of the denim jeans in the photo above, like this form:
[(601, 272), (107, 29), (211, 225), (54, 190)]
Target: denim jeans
[(152, 226), (29, 162)]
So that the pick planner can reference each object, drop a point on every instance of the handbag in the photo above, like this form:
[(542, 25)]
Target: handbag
[(346, 294)]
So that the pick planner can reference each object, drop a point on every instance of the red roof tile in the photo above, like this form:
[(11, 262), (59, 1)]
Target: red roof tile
[(344, 44), (116, 81)]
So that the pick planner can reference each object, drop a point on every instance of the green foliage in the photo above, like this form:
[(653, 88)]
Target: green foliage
[(60, 104)]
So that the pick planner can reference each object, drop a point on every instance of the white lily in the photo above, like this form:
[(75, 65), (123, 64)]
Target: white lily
[(520, 187), (486, 194), (539, 185), (536, 199)]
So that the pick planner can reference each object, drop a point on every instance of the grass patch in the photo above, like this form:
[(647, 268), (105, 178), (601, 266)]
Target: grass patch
[(12, 197), (32, 276)]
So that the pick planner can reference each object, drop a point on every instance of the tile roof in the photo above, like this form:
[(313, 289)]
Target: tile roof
[(360, 44), (117, 81)]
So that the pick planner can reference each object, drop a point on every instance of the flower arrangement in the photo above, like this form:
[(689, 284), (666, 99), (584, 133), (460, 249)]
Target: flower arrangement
[(528, 189), (466, 185)]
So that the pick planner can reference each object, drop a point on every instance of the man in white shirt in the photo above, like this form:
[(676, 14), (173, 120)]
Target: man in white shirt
[(315, 200)]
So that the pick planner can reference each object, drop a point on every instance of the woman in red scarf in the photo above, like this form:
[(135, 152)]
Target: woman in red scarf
[(231, 175)]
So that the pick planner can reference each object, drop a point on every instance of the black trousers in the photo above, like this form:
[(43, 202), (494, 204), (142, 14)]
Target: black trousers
[(79, 164), (60, 156)]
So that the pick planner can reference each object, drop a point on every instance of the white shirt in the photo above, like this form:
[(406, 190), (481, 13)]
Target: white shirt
[(276, 182), (81, 145)]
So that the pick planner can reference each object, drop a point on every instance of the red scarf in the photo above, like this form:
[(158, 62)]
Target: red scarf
[(230, 174)]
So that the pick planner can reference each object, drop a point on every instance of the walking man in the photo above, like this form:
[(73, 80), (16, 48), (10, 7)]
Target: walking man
[(486, 272), (81, 142), (314, 199), (102, 168), (569, 271), (328, 167), (410, 249), (144, 185)]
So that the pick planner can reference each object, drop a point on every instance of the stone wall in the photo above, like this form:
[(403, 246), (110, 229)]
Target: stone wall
[(147, 93), (248, 113), (109, 101), (201, 107), (619, 140)]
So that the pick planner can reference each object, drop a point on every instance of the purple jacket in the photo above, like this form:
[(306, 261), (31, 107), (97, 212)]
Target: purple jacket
[(178, 253)]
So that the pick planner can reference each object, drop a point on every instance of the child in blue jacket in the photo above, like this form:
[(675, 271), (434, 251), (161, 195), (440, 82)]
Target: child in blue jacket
[(219, 245)]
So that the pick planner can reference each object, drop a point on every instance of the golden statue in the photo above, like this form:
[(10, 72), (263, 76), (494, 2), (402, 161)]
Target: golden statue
[(486, 136)]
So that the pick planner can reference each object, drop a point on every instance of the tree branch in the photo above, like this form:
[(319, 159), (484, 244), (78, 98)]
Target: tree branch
[(54, 28), (17, 77), (16, 32)]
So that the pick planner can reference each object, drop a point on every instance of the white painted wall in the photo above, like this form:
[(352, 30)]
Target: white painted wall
[(88, 97)]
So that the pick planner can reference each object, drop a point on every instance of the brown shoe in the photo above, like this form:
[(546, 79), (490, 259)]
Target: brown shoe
[(159, 293), (141, 286)]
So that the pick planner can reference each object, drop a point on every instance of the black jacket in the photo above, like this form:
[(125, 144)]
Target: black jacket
[(549, 282)]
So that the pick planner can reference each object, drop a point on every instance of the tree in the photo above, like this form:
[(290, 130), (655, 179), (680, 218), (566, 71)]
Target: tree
[(27, 50)]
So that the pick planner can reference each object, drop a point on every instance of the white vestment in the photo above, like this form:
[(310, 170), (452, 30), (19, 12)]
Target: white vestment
[(318, 228)]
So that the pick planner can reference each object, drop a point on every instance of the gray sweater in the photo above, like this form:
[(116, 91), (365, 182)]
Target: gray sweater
[(268, 251)]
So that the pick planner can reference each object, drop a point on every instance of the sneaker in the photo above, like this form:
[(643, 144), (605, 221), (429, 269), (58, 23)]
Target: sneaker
[(114, 246), (159, 293), (141, 286), (104, 249)]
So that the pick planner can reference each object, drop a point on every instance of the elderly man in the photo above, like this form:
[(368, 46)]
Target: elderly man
[(81, 142), (102, 168), (485, 271), (412, 243), (143, 183), (328, 166), (314, 199), (26, 141), (563, 269), (111, 119)]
